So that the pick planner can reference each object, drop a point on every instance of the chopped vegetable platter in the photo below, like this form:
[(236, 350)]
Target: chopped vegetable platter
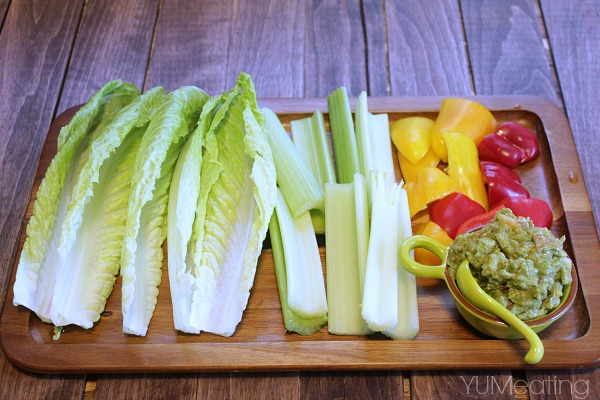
[(445, 340)]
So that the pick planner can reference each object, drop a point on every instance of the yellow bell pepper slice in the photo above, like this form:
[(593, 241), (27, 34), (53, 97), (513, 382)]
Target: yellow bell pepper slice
[(434, 231), (461, 115), (463, 167), (431, 184), (412, 137), (410, 170)]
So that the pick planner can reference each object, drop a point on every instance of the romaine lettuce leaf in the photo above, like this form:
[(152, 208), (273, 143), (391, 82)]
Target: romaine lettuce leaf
[(238, 194), (36, 273), (146, 225), (183, 198), (92, 232)]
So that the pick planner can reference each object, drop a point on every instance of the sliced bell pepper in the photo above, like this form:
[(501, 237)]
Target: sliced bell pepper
[(478, 221), (511, 145), (434, 231), (463, 167), (501, 182), (495, 148), (451, 211), (522, 137), (535, 209), (461, 115), (412, 137), (410, 170), (490, 167), (431, 184)]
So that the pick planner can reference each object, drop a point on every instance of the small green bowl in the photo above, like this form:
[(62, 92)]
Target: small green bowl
[(478, 319)]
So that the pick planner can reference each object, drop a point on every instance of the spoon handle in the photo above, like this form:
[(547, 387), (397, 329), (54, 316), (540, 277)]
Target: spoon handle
[(480, 299), (418, 269), (536, 348)]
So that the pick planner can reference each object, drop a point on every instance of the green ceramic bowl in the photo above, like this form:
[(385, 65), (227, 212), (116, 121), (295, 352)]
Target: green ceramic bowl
[(478, 319)]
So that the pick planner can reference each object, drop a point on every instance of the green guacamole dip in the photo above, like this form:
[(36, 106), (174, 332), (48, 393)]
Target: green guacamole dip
[(523, 267)]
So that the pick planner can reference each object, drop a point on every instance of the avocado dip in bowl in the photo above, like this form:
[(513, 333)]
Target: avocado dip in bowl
[(522, 267)]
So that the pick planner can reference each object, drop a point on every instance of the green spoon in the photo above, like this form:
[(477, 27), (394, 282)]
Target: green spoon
[(480, 299)]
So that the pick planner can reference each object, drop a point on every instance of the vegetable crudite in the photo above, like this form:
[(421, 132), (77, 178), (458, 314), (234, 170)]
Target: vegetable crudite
[(56, 278), (261, 340), (123, 163)]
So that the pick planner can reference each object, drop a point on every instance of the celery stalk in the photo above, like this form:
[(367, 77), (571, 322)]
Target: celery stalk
[(362, 225), (344, 294), (363, 144), (389, 291), (343, 136), (310, 138), (380, 296), (373, 141), (408, 313), (305, 283), (292, 321), (300, 188), (318, 220)]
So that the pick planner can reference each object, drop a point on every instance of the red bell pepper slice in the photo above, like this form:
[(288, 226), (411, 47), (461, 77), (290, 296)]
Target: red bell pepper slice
[(536, 209), (511, 145), (494, 147), (522, 137), (478, 221), (451, 211), (501, 182)]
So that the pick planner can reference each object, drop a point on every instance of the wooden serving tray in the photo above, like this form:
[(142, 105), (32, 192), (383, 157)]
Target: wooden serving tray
[(445, 340)]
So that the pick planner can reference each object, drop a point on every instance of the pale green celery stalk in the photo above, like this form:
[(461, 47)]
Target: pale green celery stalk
[(380, 296), (343, 136), (361, 202), (344, 295), (375, 154), (38, 264), (292, 321), (233, 212), (183, 198), (373, 141), (305, 283), (318, 220), (310, 138), (408, 312), (294, 177), (92, 232), (146, 227)]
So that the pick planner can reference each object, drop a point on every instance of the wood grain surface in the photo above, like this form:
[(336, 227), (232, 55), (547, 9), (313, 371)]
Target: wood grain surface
[(427, 52), (35, 44), (334, 48), (507, 48), (375, 52), (3, 10), (443, 47), (574, 35), (113, 42), (187, 52), (274, 30)]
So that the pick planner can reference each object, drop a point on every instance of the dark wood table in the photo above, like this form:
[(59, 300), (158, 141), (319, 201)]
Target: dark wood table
[(55, 54)]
